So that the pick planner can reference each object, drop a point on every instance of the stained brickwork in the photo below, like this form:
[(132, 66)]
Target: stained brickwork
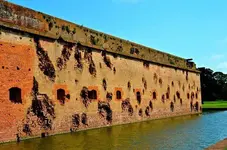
[(16, 71), (50, 85), (44, 25)]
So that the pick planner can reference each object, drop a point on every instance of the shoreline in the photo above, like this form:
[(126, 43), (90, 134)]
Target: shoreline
[(81, 130), (214, 109), (219, 145)]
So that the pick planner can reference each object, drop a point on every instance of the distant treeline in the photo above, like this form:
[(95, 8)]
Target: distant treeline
[(213, 85)]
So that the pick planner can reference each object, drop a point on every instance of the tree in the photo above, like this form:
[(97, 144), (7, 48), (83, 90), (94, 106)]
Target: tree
[(213, 84), (207, 82)]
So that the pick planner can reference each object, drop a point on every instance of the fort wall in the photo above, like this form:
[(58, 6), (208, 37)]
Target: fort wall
[(56, 76)]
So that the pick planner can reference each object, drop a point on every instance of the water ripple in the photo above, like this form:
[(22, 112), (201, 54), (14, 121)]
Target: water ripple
[(184, 133)]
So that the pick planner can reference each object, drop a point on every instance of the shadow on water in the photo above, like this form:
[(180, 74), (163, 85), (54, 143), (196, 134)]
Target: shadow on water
[(183, 133)]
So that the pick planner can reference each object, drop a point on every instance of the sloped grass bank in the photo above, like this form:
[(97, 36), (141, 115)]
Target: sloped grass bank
[(215, 105)]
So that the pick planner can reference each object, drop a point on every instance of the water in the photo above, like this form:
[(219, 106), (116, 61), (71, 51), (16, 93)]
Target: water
[(183, 133)]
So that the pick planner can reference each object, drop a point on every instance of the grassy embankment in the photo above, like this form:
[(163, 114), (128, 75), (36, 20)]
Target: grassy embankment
[(215, 105)]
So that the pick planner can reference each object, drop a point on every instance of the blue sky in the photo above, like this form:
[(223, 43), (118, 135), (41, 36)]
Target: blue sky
[(187, 28)]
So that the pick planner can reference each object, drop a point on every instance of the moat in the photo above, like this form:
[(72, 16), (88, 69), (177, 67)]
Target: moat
[(182, 133)]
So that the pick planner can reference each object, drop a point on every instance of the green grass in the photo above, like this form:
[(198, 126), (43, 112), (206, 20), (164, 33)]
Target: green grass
[(215, 104)]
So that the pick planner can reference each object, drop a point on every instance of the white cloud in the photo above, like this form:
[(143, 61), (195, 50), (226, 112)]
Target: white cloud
[(222, 65), (224, 40), (127, 1), (217, 56), (200, 65), (222, 44)]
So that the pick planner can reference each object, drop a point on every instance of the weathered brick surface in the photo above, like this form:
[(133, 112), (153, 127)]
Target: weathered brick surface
[(41, 24), (41, 66), (16, 70)]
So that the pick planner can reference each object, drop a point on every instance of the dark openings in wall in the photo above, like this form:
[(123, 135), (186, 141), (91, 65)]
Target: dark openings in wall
[(15, 95), (118, 94), (61, 94), (92, 94), (154, 95), (138, 97)]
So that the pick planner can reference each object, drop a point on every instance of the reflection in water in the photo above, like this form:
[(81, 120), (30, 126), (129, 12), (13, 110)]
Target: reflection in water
[(183, 133)]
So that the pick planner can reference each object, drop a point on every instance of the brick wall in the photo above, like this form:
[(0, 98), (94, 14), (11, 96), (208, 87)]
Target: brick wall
[(42, 66)]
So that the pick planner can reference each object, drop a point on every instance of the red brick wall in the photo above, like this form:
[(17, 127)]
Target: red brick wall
[(15, 71), (72, 80)]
